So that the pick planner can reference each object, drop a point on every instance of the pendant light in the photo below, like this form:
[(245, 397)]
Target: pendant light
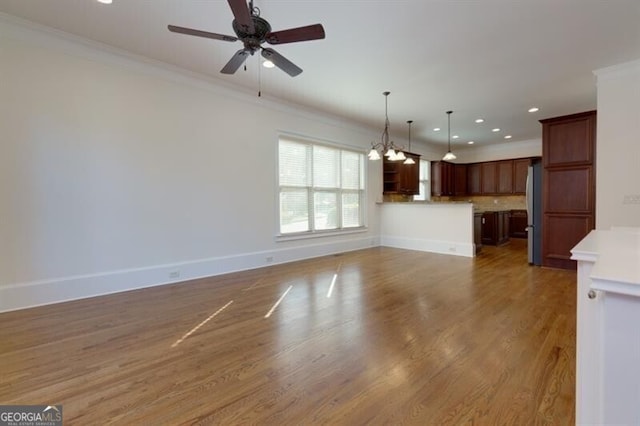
[(409, 160), (385, 145), (449, 155)]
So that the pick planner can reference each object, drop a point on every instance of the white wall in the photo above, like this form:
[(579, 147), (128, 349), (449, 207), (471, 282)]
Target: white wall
[(438, 228), (501, 151), (618, 146), (111, 174)]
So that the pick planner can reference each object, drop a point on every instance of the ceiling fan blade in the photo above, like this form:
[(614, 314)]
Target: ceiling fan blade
[(199, 33), (236, 60), (310, 32), (281, 62), (242, 15)]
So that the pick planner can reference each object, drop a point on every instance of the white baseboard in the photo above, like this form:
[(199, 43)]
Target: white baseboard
[(45, 292), (431, 246)]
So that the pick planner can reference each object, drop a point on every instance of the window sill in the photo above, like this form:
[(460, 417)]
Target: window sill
[(319, 234)]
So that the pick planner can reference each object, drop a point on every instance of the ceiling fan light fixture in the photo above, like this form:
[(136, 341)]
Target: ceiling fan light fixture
[(268, 64)]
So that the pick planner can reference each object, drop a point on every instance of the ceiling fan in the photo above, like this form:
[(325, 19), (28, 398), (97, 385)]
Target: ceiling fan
[(253, 31)]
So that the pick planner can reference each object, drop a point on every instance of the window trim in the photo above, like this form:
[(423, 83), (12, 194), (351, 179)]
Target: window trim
[(323, 232)]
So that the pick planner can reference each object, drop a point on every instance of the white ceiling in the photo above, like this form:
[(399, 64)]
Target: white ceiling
[(480, 58)]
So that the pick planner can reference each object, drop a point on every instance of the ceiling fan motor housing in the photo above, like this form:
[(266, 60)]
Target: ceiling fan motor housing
[(253, 41)]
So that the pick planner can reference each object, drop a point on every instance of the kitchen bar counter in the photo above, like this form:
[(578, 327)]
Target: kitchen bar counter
[(427, 226)]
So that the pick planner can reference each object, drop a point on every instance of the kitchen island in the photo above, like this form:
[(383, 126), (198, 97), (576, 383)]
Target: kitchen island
[(608, 341), (428, 226)]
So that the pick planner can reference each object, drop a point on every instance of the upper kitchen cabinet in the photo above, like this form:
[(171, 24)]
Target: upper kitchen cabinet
[(489, 177), (520, 171), (442, 178), (505, 177), (474, 179), (460, 179), (400, 178), (568, 145)]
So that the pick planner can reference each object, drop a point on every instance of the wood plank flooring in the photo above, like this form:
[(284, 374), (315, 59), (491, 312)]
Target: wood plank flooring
[(405, 338)]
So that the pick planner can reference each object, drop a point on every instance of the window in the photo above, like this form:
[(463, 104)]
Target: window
[(321, 188), (425, 186)]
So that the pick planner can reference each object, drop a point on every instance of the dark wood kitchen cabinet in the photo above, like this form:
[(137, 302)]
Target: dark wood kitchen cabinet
[(474, 179), (518, 224), (442, 178), (520, 171), (477, 231), (400, 178), (568, 193), (495, 227), (489, 176), (504, 179), (460, 179)]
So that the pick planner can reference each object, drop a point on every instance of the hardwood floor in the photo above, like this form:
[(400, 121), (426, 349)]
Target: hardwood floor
[(405, 338)]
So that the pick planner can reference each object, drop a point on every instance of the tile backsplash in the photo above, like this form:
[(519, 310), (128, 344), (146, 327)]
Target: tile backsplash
[(489, 202)]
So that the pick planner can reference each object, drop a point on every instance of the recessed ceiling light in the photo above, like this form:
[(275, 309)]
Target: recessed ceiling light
[(436, 129), (508, 137), (455, 137), (268, 64), (534, 109), (495, 130), (105, 1), (471, 142), (480, 120)]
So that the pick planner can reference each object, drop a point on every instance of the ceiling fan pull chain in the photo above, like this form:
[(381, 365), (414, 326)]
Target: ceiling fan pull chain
[(259, 79)]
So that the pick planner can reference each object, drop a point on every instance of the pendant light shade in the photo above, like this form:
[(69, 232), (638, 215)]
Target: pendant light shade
[(449, 155), (409, 160)]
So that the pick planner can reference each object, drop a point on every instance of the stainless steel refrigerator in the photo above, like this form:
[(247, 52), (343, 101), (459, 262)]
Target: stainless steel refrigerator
[(534, 212)]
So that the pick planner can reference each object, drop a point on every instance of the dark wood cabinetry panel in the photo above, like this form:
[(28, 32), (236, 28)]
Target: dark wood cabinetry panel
[(568, 145), (518, 224), (459, 179), (489, 228), (520, 171), (442, 178), (410, 176), (495, 228), (400, 178), (477, 231), (560, 233), (505, 177), (570, 139), (489, 177), (577, 199), (474, 179)]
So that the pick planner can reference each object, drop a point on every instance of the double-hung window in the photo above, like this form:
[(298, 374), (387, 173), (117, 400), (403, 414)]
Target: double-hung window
[(321, 188), (425, 185)]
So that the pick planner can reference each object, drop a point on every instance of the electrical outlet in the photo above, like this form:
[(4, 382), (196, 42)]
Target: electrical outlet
[(269, 259), (174, 274), (631, 199)]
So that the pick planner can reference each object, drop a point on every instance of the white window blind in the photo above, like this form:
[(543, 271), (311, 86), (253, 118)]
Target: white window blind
[(321, 188), (425, 184)]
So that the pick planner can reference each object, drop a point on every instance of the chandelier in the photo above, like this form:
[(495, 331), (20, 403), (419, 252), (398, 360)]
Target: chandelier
[(386, 146)]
